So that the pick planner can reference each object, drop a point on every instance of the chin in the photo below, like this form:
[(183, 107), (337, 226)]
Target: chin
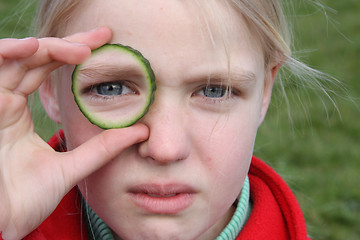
[(161, 228)]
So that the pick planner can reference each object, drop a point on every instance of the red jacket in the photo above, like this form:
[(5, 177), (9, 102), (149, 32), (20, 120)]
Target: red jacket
[(275, 214)]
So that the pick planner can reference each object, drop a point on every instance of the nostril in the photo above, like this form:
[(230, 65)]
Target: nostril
[(159, 151), (161, 162), (169, 138)]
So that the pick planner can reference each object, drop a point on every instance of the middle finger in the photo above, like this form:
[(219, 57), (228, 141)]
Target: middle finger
[(52, 53)]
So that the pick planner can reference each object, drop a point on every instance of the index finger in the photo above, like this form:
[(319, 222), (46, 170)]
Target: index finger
[(64, 51), (94, 38)]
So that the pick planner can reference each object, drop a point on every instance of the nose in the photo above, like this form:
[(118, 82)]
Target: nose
[(169, 140)]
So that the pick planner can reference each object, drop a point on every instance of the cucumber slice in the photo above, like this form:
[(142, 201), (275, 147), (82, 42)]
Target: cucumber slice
[(114, 87)]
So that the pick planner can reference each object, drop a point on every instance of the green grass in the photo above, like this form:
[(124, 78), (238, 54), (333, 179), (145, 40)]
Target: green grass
[(318, 151), (14, 20), (319, 155)]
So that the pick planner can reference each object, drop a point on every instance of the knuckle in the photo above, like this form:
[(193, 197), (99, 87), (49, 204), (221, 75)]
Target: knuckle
[(104, 145), (11, 108)]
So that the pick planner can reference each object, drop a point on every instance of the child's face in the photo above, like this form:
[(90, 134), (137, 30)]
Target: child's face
[(200, 142)]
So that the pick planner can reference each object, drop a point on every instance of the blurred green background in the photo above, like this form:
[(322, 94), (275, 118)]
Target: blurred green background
[(316, 150)]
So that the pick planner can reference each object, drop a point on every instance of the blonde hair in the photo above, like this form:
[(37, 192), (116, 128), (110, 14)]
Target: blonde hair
[(268, 20), (53, 16), (265, 18)]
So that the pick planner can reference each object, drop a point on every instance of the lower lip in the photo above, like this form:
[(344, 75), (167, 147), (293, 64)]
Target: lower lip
[(163, 205)]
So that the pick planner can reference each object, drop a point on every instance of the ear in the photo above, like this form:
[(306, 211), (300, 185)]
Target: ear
[(49, 100), (268, 86)]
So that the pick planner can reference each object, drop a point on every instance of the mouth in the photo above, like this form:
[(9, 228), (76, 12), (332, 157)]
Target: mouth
[(162, 199)]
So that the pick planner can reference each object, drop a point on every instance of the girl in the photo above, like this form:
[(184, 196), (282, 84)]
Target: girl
[(183, 170)]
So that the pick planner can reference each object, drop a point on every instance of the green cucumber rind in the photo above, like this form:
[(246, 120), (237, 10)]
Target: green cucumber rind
[(152, 87)]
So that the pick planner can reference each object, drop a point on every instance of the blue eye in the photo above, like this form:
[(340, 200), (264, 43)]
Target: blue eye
[(213, 91), (112, 89)]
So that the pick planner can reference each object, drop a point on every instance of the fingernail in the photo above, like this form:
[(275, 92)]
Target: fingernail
[(27, 38), (78, 44), (94, 29)]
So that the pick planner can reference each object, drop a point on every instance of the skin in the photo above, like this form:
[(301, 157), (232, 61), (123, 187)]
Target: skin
[(205, 143), (31, 186)]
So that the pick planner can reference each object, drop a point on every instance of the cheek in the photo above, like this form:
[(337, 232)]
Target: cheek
[(231, 151), (77, 128), (229, 138), (232, 139), (226, 157), (227, 149)]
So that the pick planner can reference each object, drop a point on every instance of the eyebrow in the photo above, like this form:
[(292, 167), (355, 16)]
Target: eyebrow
[(98, 70), (243, 76), (235, 76)]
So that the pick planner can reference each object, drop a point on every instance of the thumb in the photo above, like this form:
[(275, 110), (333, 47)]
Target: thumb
[(96, 152)]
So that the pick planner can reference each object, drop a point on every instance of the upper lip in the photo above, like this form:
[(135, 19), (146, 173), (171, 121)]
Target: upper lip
[(162, 189)]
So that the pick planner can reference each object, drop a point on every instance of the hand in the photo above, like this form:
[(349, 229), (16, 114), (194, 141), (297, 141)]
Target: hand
[(33, 177)]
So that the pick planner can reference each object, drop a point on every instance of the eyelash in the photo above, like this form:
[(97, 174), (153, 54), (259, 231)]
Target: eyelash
[(92, 91), (227, 93)]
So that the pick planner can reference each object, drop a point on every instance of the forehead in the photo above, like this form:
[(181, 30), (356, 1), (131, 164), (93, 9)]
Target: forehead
[(190, 33)]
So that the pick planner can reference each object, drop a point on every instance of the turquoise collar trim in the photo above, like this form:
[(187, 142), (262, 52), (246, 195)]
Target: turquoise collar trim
[(242, 213), (98, 230)]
